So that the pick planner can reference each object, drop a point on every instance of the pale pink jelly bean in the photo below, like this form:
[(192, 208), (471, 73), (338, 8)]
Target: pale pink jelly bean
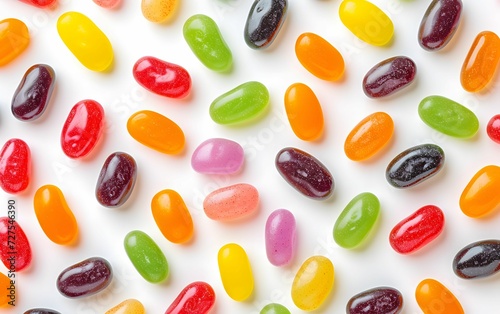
[(280, 237), (231, 202), (217, 156), (108, 4)]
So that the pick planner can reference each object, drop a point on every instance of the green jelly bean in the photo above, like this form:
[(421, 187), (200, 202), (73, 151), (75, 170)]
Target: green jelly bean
[(356, 220), (245, 102), (205, 40), (274, 308), (448, 117), (146, 256)]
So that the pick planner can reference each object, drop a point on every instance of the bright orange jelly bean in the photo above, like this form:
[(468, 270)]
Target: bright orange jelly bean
[(481, 196), (4, 286), (14, 38), (434, 298)]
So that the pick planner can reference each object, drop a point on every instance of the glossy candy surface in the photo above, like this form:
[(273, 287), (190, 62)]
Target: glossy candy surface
[(235, 272), (493, 128), (85, 40), (433, 297), (156, 131), (116, 180), (356, 220), (41, 311), (231, 202), (280, 237), (478, 259), (172, 216), (33, 93), (15, 249), (218, 156), (40, 3), (304, 173), (480, 197), (158, 11), (244, 102), (82, 129), (5, 285), (108, 4), (389, 76), (304, 112), (162, 77), (274, 308), (313, 283), (379, 300), (129, 306), (15, 166), (205, 40), (439, 24), (417, 230), (196, 298), (264, 22), (85, 278), (481, 62), (415, 165), (14, 38)]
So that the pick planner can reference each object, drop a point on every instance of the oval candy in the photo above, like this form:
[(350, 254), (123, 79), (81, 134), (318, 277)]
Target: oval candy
[(41, 311), (5, 285), (129, 306), (389, 76), (15, 166), (85, 278), (158, 11), (196, 298), (264, 22), (493, 128), (439, 24), (433, 297), (14, 39), (218, 156), (478, 259), (107, 4), (235, 272), (274, 308), (40, 3), (480, 197), (232, 202), (15, 249), (379, 300), (280, 237)]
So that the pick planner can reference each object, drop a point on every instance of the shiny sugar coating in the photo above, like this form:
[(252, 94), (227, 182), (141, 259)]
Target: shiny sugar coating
[(264, 22), (15, 166), (196, 298), (493, 128), (439, 24), (15, 249), (235, 272), (232, 202), (367, 21), (218, 156), (379, 300), (274, 308), (481, 62), (433, 297), (280, 236), (41, 3), (129, 306), (158, 11), (480, 197), (41, 311), (389, 76), (477, 260), (304, 112), (85, 40), (85, 278), (14, 39), (108, 4)]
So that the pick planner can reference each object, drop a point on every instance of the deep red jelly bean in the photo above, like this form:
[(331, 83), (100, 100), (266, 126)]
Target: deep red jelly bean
[(85, 278), (493, 128), (40, 3), (380, 300), (41, 311), (83, 128), (389, 76), (439, 24), (196, 298), (15, 250), (15, 166)]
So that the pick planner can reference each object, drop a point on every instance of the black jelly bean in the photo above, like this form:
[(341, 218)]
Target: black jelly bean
[(389, 76), (264, 22), (478, 259), (380, 300), (85, 278), (439, 23), (41, 311)]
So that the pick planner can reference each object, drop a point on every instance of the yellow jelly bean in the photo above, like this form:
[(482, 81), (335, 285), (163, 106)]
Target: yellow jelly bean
[(85, 40), (434, 298), (14, 38), (129, 306), (158, 11), (235, 272)]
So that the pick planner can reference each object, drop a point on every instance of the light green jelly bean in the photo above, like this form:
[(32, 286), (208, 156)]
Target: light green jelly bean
[(205, 40), (274, 308), (356, 220), (245, 102), (146, 256), (448, 117)]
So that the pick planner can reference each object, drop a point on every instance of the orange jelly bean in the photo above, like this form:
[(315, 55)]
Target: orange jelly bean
[(14, 38), (481, 196), (481, 62), (5, 286), (304, 112), (434, 298), (54, 215)]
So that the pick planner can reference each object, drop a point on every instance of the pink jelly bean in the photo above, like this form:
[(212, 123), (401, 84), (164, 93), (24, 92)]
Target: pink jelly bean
[(280, 237), (217, 156), (15, 166), (108, 4), (231, 202), (196, 298)]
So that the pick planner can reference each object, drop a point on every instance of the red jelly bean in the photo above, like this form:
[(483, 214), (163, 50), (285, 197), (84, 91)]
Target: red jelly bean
[(83, 128), (15, 250), (162, 78), (40, 3), (196, 298), (15, 166), (493, 128), (417, 230)]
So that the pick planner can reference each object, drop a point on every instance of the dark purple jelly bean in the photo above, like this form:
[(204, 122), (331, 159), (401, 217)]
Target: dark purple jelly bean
[(41, 311), (478, 259), (415, 165), (264, 22), (116, 180), (85, 278), (380, 300), (439, 23), (305, 173), (389, 76), (33, 93)]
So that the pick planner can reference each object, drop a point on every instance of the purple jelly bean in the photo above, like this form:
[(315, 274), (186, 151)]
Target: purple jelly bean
[(439, 24), (217, 156), (280, 237), (85, 278), (389, 76), (380, 300)]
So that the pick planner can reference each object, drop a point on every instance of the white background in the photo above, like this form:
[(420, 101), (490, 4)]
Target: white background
[(102, 230)]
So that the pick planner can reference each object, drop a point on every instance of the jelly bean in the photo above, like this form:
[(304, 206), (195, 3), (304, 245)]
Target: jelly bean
[(14, 38), (116, 180), (40, 3), (158, 11), (448, 117), (433, 297), (235, 272), (389, 76), (33, 93), (146, 256), (481, 62), (205, 40), (161, 77), (15, 249), (264, 22), (55, 217), (439, 24), (244, 102), (274, 308), (218, 156), (85, 278), (108, 4), (15, 166), (231, 202), (417, 230), (480, 197), (369, 136), (356, 220), (41, 311), (319, 57), (304, 112), (129, 306), (5, 285), (156, 131), (478, 259), (280, 237), (82, 129), (172, 216), (313, 283), (304, 173), (493, 128), (196, 298), (379, 300), (85, 40), (368, 22), (415, 165)]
